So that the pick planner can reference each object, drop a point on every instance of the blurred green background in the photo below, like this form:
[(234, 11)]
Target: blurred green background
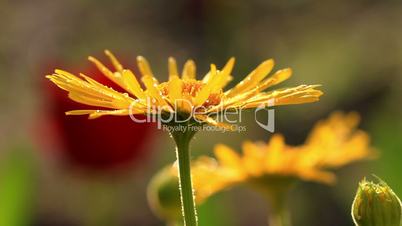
[(352, 48)]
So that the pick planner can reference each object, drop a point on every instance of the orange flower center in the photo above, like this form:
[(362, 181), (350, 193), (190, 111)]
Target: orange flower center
[(190, 90)]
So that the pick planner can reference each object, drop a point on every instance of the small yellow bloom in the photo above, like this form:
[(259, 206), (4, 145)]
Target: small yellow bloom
[(332, 143), (182, 93)]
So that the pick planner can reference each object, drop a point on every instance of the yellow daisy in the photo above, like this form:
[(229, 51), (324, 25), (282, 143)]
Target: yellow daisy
[(332, 143), (182, 96), (182, 93)]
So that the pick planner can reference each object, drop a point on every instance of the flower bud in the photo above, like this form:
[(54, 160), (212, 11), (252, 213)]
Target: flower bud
[(376, 204), (164, 197)]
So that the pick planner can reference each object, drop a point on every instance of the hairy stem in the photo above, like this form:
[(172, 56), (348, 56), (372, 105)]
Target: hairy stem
[(183, 154)]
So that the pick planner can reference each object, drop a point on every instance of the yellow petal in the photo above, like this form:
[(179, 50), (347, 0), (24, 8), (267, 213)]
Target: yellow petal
[(252, 159), (89, 88), (252, 79), (173, 73), (189, 70), (124, 78), (101, 89), (294, 95), (152, 89), (175, 87), (66, 75), (102, 68), (80, 112), (117, 65), (205, 91), (87, 100), (275, 150), (132, 84), (144, 67), (319, 176), (227, 157), (98, 113), (277, 78), (223, 77), (281, 75), (227, 69)]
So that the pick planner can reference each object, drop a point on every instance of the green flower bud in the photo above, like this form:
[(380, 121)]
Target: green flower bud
[(376, 204), (164, 197)]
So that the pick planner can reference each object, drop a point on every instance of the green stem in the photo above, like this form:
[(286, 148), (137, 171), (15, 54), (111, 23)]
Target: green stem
[(182, 139), (275, 189), (279, 215)]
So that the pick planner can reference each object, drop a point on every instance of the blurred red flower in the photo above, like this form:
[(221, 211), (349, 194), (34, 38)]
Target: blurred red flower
[(106, 143)]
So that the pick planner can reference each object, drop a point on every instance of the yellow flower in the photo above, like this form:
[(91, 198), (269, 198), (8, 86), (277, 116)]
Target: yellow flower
[(332, 143), (181, 94)]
